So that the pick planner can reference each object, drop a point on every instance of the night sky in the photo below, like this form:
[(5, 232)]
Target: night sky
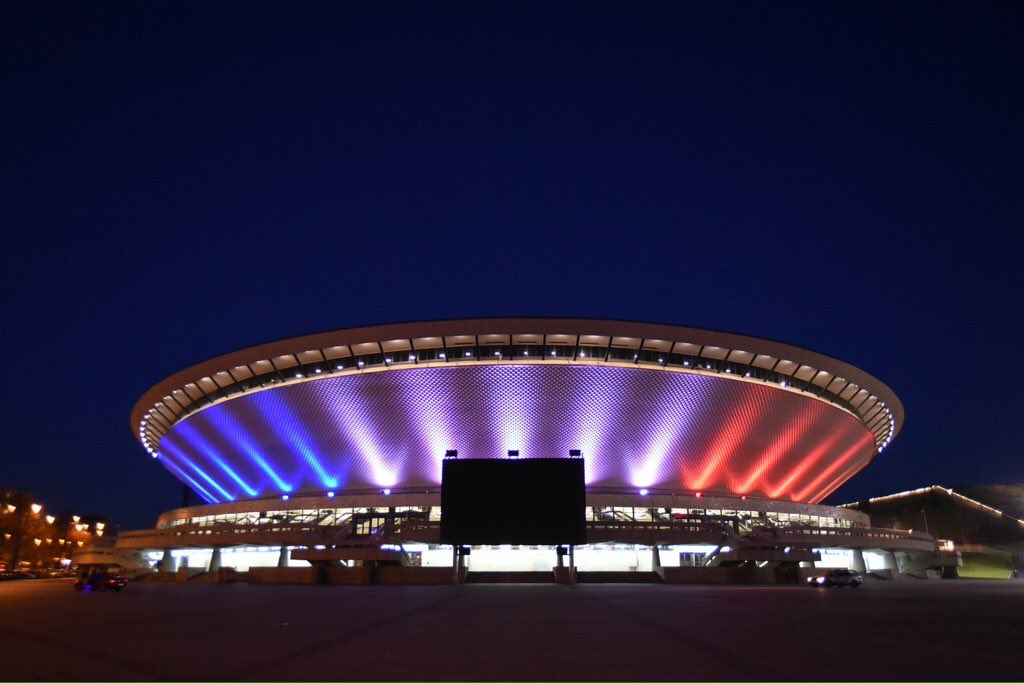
[(180, 181)]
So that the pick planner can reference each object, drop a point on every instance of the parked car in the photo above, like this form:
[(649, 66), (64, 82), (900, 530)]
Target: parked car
[(837, 578), (99, 579)]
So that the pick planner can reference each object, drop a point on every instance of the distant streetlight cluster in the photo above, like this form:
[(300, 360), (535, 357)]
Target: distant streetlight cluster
[(33, 537)]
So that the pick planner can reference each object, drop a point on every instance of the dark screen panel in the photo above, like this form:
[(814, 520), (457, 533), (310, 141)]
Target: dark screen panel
[(529, 501)]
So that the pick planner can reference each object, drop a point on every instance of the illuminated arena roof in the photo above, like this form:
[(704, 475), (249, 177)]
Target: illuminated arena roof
[(651, 406)]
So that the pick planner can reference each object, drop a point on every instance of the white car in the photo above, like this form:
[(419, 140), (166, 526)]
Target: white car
[(837, 578)]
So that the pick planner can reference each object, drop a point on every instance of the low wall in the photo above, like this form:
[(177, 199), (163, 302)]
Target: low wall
[(347, 576), (720, 575), (565, 575), (887, 574), (297, 575), (185, 574), (222, 575), (415, 576)]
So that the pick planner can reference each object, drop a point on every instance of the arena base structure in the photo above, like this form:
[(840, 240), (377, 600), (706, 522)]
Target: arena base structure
[(705, 455)]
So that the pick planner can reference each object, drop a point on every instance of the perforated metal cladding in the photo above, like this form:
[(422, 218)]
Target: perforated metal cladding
[(637, 427)]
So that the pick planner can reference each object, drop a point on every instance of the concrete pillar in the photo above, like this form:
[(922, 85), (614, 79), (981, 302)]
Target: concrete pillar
[(858, 561), (458, 563), (572, 564), (214, 560), (167, 562), (282, 558), (656, 561)]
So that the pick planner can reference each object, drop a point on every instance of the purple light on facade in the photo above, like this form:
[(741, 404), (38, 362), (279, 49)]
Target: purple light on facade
[(187, 460), (435, 403), (225, 426), (184, 477), (201, 445), (294, 432), (351, 422), (639, 427)]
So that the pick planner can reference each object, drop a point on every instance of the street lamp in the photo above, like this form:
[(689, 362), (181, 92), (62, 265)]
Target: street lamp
[(36, 507)]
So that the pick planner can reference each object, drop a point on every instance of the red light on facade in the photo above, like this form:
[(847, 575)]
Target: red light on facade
[(815, 491)]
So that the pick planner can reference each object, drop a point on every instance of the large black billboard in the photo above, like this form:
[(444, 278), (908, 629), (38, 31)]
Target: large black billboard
[(528, 501)]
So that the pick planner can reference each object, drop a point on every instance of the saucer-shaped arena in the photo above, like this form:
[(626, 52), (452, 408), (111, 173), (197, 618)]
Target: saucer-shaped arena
[(655, 407), (686, 435)]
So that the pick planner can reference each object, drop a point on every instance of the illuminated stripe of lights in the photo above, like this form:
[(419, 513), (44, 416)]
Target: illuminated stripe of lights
[(678, 406), (943, 489), (725, 446), (193, 437), (430, 420), (234, 475), (170, 447), (509, 404), (793, 435), (954, 494), (809, 461), (853, 450), (658, 450), (839, 481), (243, 442), (292, 429), (210, 498), (592, 427), (353, 424)]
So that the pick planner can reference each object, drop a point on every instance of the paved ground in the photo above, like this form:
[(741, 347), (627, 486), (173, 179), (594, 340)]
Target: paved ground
[(906, 630)]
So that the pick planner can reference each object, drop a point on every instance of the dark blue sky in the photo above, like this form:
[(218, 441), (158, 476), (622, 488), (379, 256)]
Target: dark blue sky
[(184, 180)]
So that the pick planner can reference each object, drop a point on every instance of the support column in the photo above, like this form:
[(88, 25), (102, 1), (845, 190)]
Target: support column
[(572, 564), (889, 562), (656, 561), (167, 562), (459, 561), (214, 560), (282, 558), (858, 561)]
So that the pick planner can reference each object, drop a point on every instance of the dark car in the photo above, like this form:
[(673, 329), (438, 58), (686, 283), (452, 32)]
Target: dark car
[(837, 578), (98, 579)]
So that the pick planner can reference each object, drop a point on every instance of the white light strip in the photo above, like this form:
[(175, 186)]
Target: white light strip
[(947, 491), (881, 441)]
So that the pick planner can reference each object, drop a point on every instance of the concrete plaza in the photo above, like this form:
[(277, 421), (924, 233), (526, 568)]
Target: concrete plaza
[(156, 631)]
